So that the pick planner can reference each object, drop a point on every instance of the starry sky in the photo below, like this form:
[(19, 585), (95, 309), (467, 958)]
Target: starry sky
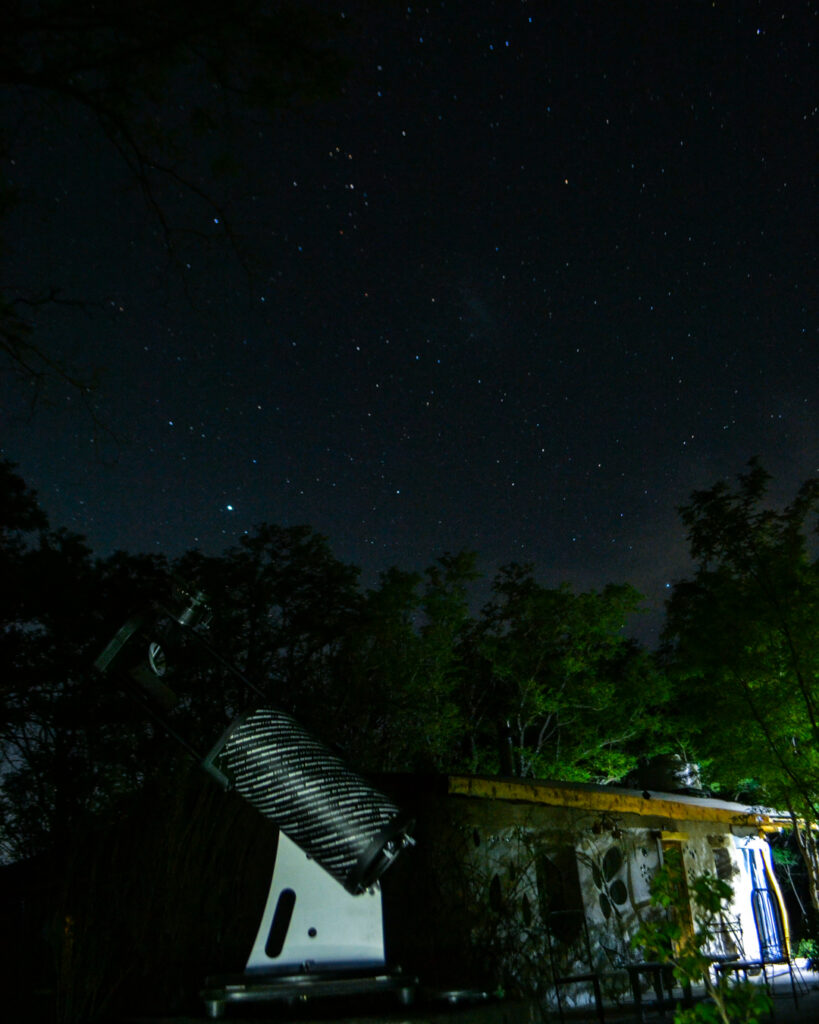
[(539, 271)]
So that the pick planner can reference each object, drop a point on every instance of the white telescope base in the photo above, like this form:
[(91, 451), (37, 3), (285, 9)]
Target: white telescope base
[(310, 922), (314, 939)]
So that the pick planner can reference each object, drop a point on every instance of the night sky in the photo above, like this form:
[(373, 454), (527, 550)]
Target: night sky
[(541, 270)]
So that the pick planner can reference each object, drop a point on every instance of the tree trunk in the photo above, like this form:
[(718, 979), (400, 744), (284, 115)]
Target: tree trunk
[(806, 841), (505, 754)]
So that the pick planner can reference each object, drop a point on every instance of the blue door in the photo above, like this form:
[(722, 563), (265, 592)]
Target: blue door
[(766, 908)]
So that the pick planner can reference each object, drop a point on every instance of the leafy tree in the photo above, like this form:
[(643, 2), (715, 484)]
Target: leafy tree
[(281, 603), (21, 520), (579, 699), (20, 514), (403, 668), (377, 671), (67, 745), (438, 719), (742, 643)]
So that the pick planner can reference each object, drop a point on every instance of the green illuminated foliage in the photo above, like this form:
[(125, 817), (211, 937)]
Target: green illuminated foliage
[(742, 646), (577, 698)]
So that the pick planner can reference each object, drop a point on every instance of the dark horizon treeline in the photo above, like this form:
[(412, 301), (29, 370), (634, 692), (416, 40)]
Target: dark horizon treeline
[(404, 677), (399, 677)]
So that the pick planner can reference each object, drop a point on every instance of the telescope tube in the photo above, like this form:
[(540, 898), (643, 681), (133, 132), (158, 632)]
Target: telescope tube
[(335, 816)]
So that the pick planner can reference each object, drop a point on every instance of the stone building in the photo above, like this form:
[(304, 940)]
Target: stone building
[(516, 884)]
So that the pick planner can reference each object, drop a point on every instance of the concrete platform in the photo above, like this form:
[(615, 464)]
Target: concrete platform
[(785, 1011)]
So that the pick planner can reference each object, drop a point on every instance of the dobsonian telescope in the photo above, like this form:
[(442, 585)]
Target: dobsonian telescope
[(321, 931)]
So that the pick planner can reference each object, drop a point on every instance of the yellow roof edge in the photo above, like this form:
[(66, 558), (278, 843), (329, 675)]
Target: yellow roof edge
[(613, 802)]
